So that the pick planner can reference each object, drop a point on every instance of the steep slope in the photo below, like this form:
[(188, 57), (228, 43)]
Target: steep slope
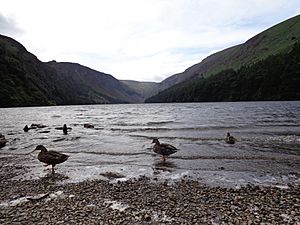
[(275, 78), (277, 39), (26, 81), (97, 82), (144, 89)]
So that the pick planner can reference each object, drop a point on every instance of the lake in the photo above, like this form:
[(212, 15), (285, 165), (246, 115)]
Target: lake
[(267, 150)]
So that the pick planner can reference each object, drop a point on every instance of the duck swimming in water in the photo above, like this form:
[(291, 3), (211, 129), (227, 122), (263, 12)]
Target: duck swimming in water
[(65, 129), (50, 157), (229, 139), (26, 128), (163, 149)]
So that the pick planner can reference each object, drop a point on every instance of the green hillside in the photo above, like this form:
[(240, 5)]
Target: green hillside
[(275, 78), (144, 89), (277, 39)]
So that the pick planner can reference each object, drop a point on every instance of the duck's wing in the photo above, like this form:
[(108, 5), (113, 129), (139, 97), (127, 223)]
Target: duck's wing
[(56, 157), (230, 140), (168, 146), (167, 149)]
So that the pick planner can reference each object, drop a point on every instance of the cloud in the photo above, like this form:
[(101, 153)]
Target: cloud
[(140, 39), (8, 26)]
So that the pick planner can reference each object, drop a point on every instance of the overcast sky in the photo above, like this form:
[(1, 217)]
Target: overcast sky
[(144, 40)]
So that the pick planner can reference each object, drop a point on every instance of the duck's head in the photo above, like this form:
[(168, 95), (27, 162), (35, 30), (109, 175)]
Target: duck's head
[(155, 140), (228, 134), (40, 148)]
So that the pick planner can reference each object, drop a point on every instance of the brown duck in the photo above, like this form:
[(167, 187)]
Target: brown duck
[(50, 157), (163, 149), (229, 139)]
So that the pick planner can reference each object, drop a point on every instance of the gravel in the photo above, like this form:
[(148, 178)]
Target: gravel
[(140, 201)]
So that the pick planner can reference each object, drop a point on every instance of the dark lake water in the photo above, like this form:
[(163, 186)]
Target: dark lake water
[(267, 150)]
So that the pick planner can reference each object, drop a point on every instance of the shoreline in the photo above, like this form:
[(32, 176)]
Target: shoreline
[(140, 201)]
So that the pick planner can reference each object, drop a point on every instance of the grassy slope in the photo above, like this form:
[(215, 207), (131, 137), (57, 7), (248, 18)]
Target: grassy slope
[(145, 89), (275, 78), (274, 40)]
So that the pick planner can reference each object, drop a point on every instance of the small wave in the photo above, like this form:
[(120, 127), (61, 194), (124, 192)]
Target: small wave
[(277, 125), (177, 137), (111, 153), (55, 116), (159, 122), (44, 132), (262, 158), (142, 124), (59, 139), (204, 128), (121, 124), (80, 110), (139, 129)]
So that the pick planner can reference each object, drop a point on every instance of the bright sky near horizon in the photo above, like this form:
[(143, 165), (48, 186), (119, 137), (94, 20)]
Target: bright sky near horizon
[(144, 40)]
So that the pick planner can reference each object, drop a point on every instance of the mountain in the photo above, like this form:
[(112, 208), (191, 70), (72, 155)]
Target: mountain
[(144, 89), (275, 78), (26, 81), (277, 39), (96, 82)]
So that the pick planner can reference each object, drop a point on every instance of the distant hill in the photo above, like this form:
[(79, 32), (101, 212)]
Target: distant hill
[(26, 81), (96, 82), (144, 89), (277, 39)]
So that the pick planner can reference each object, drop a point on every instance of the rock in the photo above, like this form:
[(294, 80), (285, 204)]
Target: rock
[(87, 125), (2, 140), (34, 126), (112, 175), (142, 201)]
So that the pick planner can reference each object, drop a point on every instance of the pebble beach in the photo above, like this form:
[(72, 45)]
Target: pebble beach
[(48, 200)]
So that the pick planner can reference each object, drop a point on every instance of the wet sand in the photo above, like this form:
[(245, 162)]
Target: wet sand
[(49, 200)]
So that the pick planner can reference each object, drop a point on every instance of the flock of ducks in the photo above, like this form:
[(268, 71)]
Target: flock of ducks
[(53, 157)]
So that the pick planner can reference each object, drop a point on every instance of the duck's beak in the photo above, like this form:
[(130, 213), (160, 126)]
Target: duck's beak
[(32, 151)]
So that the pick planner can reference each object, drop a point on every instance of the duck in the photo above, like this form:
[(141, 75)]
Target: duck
[(163, 149), (65, 129), (26, 128), (2, 140), (50, 157), (229, 139)]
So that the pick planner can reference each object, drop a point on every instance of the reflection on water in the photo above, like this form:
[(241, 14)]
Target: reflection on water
[(267, 133), (164, 166)]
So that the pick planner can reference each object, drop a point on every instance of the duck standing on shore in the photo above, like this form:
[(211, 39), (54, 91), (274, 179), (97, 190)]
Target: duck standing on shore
[(50, 157), (163, 149), (230, 139)]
